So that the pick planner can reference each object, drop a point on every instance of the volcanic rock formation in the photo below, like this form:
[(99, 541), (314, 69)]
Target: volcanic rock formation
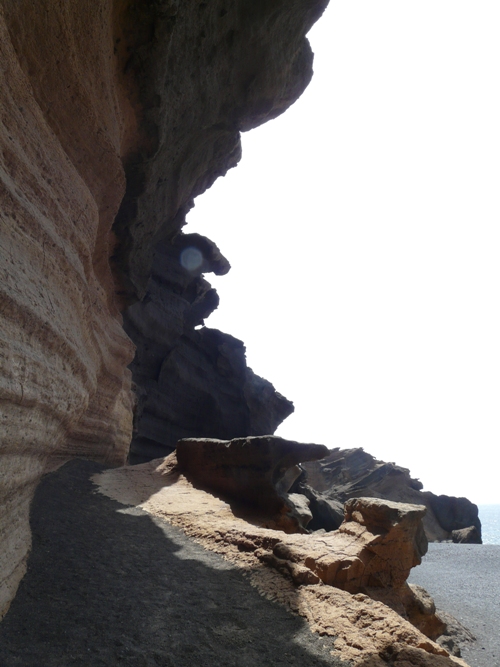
[(114, 116), (250, 470), (373, 550), (191, 382), (349, 473), (349, 584)]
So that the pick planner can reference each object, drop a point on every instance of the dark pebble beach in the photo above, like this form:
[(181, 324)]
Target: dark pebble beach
[(464, 580)]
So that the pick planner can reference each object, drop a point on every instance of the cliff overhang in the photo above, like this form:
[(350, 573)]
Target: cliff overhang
[(115, 115)]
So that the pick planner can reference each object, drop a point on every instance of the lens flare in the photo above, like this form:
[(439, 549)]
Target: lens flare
[(191, 259)]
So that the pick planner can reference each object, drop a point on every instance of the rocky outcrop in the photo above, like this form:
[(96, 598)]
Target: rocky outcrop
[(202, 72), (469, 535), (336, 580), (348, 473), (371, 553), (115, 115), (456, 514), (191, 382), (249, 470)]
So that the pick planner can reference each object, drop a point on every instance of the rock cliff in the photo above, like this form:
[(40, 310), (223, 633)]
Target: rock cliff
[(114, 116), (191, 382)]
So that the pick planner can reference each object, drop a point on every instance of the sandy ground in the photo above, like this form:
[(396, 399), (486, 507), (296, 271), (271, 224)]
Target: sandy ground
[(464, 580)]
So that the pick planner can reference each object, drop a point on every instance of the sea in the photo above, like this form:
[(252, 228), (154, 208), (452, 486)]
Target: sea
[(490, 523)]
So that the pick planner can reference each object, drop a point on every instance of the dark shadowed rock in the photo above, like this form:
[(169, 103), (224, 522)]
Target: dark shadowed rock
[(191, 382), (248, 470), (349, 473), (200, 73), (327, 513), (455, 513), (468, 535)]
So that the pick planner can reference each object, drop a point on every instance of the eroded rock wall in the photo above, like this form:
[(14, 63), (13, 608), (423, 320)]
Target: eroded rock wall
[(248, 61), (64, 383), (206, 70), (191, 381), (115, 114)]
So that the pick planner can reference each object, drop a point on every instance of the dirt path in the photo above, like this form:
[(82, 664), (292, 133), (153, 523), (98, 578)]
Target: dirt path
[(108, 586)]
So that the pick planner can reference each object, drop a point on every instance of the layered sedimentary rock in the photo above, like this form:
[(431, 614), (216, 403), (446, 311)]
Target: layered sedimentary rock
[(348, 473), (64, 383), (115, 115), (336, 580)]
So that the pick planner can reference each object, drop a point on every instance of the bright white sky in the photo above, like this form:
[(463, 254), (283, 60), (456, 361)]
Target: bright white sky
[(363, 230)]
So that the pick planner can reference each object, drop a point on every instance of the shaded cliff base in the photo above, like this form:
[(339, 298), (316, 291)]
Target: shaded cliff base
[(364, 631), (109, 585)]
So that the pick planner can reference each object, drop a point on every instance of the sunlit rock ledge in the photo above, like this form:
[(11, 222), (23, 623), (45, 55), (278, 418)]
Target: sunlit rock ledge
[(115, 115), (349, 584)]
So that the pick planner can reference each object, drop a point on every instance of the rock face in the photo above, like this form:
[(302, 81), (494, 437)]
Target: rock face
[(248, 470), (348, 473), (191, 382), (115, 115), (375, 548), (64, 383)]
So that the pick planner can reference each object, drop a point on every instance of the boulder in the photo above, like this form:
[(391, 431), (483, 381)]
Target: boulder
[(455, 513), (327, 513), (393, 542), (469, 535), (421, 612), (249, 471)]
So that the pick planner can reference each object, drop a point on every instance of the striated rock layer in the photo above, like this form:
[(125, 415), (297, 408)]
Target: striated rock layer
[(114, 116), (64, 385), (349, 473)]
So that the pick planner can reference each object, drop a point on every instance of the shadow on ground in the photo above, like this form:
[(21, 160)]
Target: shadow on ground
[(108, 586)]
